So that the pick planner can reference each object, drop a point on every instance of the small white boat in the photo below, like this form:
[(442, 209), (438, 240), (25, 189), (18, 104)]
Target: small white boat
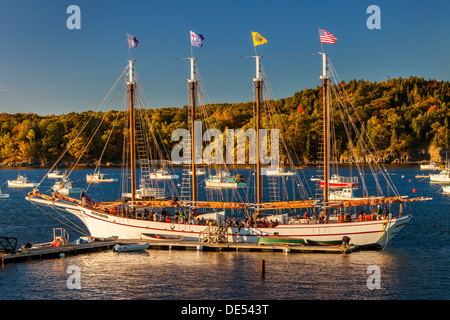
[(162, 175), (21, 181), (65, 187), (224, 180), (443, 176), (446, 189), (276, 172), (147, 193), (56, 174), (99, 177), (346, 194), (4, 195), (199, 172), (431, 166), (130, 247), (338, 181)]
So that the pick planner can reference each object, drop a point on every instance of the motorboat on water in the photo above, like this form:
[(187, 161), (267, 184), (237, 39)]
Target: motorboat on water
[(443, 176), (99, 177), (22, 181), (162, 174), (4, 195), (224, 180), (65, 187), (56, 174), (430, 166)]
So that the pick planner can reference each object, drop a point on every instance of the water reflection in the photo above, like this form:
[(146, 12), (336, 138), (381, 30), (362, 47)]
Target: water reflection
[(192, 275)]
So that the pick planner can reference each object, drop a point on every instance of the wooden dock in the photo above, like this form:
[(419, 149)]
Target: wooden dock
[(50, 252), (246, 247)]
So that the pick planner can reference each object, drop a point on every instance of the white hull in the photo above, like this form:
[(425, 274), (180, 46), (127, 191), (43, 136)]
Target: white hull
[(162, 177), (56, 175), (201, 173), (101, 180), (346, 194), (276, 172), (4, 196), (370, 234), (67, 192), (130, 247), (280, 174), (427, 167), (440, 177), (218, 184), (446, 189), (431, 166), (19, 184)]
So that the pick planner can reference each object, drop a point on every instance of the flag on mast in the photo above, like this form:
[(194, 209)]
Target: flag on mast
[(196, 39), (326, 37), (132, 41), (258, 39)]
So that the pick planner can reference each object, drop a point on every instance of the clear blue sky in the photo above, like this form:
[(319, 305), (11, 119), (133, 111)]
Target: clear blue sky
[(46, 68)]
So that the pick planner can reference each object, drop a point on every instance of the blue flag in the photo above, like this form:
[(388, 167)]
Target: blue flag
[(196, 39), (132, 41)]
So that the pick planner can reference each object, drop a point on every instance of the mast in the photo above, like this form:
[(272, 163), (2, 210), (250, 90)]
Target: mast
[(257, 80), (326, 157), (132, 130), (193, 83)]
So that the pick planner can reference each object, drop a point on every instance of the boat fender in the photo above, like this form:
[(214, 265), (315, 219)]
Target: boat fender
[(172, 226)]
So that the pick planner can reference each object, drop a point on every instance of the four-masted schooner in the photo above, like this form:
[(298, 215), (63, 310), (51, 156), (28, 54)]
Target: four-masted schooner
[(128, 219)]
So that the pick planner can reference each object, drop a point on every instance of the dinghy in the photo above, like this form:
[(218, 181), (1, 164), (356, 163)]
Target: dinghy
[(130, 247)]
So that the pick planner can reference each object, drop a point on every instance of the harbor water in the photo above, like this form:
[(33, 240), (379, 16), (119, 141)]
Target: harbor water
[(414, 265)]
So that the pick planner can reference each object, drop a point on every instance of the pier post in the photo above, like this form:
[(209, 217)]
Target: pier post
[(263, 268)]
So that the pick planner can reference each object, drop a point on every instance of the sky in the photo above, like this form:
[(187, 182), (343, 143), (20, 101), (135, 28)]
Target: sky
[(47, 68)]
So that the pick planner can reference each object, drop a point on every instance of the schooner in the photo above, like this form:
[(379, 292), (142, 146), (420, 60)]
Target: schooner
[(127, 219)]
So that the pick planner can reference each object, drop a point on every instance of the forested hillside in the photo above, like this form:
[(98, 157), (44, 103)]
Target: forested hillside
[(407, 120)]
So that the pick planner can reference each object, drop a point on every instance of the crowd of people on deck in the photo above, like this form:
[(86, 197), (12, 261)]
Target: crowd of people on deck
[(196, 218)]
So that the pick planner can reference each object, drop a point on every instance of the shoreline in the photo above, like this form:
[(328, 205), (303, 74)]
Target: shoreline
[(237, 166)]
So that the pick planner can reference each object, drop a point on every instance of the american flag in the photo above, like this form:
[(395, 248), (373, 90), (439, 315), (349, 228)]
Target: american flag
[(326, 37)]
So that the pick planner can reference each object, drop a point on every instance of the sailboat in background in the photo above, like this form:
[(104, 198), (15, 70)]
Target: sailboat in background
[(130, 220)]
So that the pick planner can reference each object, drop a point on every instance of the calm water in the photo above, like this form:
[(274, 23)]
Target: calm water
[(415, 265)]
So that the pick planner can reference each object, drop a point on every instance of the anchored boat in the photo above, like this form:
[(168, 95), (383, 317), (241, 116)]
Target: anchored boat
[(176, 216), (22, 182)]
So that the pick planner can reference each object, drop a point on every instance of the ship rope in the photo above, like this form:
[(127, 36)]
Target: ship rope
[(73, 225), (80, 131)]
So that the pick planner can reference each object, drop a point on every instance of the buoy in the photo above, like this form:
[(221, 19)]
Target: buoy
[(414, 190), (409, 180), (62, 255)]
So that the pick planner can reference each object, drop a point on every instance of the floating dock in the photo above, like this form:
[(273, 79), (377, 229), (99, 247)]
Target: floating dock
[(247, 247), (50, 252)]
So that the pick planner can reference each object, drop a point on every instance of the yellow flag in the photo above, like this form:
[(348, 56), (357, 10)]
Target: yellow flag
[(258, 39)]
